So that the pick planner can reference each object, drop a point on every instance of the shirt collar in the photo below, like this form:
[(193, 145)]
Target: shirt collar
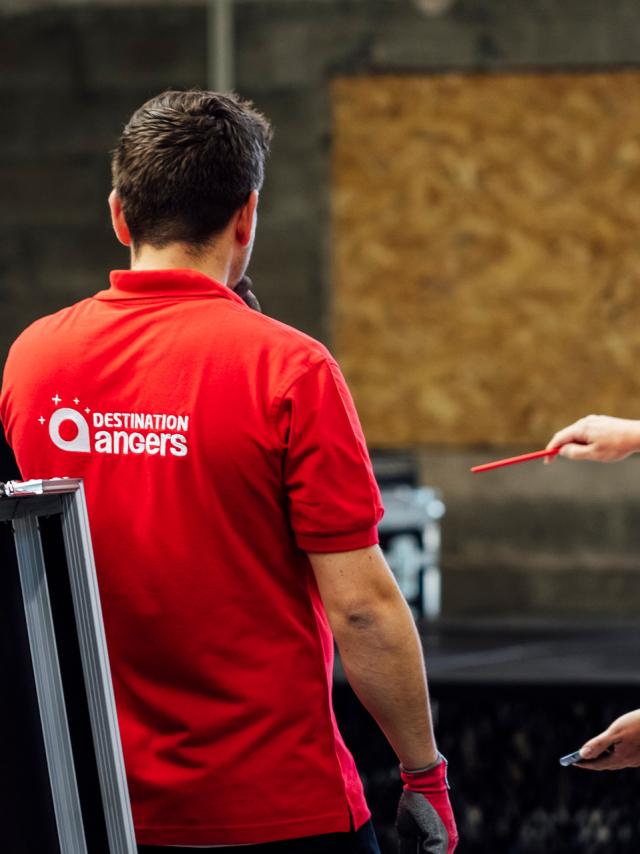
[(154, 284)]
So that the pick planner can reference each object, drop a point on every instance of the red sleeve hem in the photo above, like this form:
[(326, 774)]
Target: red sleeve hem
[(327, 543)]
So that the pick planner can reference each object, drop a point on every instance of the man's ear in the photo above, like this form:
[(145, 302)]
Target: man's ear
[(117, 219), (246, 220)]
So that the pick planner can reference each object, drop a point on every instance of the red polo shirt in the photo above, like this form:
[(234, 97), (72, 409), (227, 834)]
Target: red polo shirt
[(218, 446)]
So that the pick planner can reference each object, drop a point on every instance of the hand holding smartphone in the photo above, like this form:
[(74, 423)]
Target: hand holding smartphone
[(574, 758)]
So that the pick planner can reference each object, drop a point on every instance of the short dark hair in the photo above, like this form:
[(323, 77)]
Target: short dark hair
[(185, 163)]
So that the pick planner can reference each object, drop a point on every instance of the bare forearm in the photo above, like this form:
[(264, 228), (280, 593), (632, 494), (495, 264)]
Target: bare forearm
[(382, 658)]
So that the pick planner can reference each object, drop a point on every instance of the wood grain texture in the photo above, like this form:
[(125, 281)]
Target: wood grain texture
[(487, 253)]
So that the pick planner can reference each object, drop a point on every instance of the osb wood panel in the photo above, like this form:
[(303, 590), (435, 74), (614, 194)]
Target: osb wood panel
[(486, 244)]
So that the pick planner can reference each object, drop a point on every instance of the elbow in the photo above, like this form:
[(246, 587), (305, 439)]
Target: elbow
[(361, 619), (370, 614)]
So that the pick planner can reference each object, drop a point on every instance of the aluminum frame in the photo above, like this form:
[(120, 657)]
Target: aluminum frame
[(23, 503)]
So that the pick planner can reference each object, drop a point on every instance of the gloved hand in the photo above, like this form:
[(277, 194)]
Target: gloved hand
[(243, 289), (425, 822)]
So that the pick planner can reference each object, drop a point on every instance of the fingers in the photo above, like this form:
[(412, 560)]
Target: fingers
[(602, 744), (574, 433), (621, 756), (569, 440), (555, 441), (609, 763), (598, 745), (574, 451)]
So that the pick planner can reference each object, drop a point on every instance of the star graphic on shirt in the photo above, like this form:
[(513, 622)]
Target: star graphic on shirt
[(76, 400), (42, 420), (57, 399), (87, 410)]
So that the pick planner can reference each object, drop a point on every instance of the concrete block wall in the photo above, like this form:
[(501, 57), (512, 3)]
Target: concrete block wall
[(532, 540), (71, 73), (69, 79)]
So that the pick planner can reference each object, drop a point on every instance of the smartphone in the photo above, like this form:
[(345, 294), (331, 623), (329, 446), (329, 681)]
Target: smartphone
[(570, 759), (573, 758)]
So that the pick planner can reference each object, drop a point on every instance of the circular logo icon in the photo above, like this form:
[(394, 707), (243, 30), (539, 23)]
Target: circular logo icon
[(81, 443)]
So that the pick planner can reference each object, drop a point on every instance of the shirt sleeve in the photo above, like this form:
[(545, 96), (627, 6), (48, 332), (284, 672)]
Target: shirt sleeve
[(333, 499)]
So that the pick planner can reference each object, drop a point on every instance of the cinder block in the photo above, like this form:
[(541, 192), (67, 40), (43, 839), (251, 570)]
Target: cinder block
[(70, 191), (15, 286), (45, 269), (473, 530), (37, 51), (572, 592), (66, 123), (159, 47), (287, 270), (73, 262), (506, 34), (293, 45)]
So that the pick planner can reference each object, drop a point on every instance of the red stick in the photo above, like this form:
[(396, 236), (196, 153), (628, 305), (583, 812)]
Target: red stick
[(513, 460)]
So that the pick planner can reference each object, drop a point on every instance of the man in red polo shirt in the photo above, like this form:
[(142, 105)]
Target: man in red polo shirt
[(233, 512)]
